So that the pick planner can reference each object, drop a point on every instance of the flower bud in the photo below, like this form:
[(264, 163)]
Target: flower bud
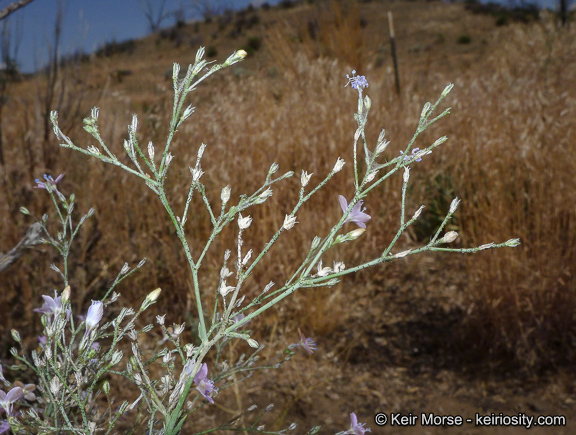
[(449, 237), (253, 343), (446, 90), (15, 335), (418, 212), (355, 234), (66, 295), (116, 357), (225, 194), (512, 243), (153, 295), (402, 254), (454, 205), (273, 168)]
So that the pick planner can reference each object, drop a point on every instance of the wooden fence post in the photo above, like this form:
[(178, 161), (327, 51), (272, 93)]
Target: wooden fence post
[(393, 47)]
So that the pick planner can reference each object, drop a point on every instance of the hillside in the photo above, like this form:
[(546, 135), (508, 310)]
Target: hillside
[(443, 333)]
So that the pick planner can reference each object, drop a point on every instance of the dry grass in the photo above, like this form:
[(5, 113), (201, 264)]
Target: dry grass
[(510, 158)]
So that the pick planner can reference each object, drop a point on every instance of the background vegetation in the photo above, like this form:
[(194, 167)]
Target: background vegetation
[(398, 334)]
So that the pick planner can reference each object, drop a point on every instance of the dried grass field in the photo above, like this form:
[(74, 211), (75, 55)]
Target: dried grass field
[(445, 333)]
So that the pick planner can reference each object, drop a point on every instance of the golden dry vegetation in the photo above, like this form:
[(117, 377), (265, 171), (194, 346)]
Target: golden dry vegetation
[(490, 331)]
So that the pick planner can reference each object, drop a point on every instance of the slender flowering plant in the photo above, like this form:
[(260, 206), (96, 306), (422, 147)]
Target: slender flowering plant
[(70, 366)]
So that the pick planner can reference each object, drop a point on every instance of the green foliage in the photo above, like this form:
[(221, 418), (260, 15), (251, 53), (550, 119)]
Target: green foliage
[(464, 39)]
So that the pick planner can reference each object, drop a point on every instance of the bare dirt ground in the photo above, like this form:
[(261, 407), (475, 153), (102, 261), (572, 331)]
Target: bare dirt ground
[(396, 354)]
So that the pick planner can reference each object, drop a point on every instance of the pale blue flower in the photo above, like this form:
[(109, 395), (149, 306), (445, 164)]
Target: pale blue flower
[(307, 343), (49, 181), (414, 151), (95, 313), (203, 384), (6, 400), (356, 82), (357, 214), (52, 306), (355, 427), (4, 426)]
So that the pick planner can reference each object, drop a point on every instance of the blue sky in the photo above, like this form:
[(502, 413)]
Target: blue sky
[(87, 24), (90, 23)]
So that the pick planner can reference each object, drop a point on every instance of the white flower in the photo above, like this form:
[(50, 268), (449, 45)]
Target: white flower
[(225, 289), (305, 178), (244, 223), (339, 165), (289, 222), (381, 147), (266, 194), (323, 271), (225, 273), (338, 266), (178, 329)]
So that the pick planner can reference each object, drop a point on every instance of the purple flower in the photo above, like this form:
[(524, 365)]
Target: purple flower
[(414, 151), (356, 82), (27, 390), (355, 427), (203, 384), (357, 214), (307, 343), (4, 426), (6, 400), (49, 181), (51, 306)]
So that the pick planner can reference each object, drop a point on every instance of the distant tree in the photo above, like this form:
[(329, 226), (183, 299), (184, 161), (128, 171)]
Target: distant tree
[(210, 8), (154, 14), (10, 38), (13, 7)]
